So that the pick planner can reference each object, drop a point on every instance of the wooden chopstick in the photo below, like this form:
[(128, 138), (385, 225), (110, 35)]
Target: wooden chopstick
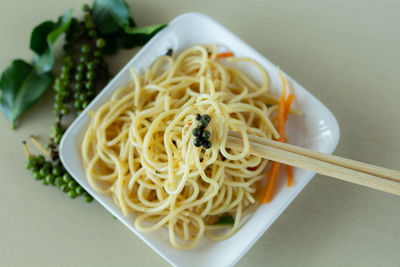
[(344, 169)]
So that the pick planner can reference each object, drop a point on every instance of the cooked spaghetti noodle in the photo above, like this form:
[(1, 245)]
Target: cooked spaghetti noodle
[(139, 145)]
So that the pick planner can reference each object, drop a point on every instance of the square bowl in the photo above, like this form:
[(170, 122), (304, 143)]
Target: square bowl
[(316, 129)]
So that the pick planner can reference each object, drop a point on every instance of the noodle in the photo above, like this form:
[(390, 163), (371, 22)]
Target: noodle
[(139, 147)]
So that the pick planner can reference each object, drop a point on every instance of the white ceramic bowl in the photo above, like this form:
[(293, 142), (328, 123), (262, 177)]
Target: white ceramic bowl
[(316, 129)]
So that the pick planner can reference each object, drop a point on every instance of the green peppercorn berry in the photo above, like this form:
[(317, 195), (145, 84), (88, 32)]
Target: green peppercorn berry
[(40, 160), (65, 93), (198, 117), (45, 182), (78, 77), (31, 161), (64, 75), (90, 93), (92, 33), (49, 178), (64, 69), (203, 123), (97, 53), (28, 165), (89, 24), (72, 194), (100, 43), (90, 65), (35, 168), (90, 75), (89, 85), (87, 16), (76, 95), (57, 139), (85, 48), (206, 144), (64, 188), (88, 198), (198, 142), (82, 97), (56, 171), (83, 59), (206, 117), (56, 129), (57, 87), (72, 184), (48, 166), (78, 86), (58, 181), (67, 178), (80, 67), (206, 134), (57, 106), (197, 131), (77, 104), (64, 111), (58, 97), (85, 104), (79, 190), (44, 171), (64, 84), (37, 175)]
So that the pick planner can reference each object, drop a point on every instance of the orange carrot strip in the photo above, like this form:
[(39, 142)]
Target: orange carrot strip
[(289, 171), (269, 189), (224, 54), (189, 124), (281, 110), (288, 103)]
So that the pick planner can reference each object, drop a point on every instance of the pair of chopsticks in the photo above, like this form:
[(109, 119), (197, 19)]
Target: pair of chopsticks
[(337, 167)]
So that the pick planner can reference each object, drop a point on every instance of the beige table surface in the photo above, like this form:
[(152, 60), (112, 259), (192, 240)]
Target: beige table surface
[(346, 53)]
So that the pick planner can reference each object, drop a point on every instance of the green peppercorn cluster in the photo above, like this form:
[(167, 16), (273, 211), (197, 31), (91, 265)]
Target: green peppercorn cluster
[(82, 73), (55, 175), (200, 133)]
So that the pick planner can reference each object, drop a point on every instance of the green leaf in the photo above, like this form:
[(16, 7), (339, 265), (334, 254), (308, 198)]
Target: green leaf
[(21, 87), (132, 38), (110, 15), (228, 219), (43, 37), (147, 30)]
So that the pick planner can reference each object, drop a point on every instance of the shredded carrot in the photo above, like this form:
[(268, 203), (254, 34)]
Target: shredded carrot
[(283, 110), (224, 54), (289, 171), (288, 103), (269, 189), (189, 124)]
